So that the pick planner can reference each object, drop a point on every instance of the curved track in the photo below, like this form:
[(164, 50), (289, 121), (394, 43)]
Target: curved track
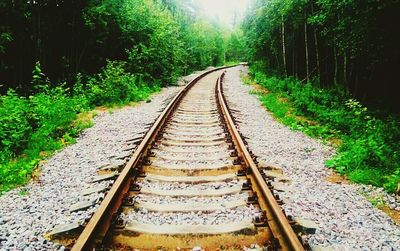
[(191, 182)]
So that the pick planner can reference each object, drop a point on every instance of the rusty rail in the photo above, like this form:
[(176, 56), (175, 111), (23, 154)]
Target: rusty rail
[(101, 221), (277, 220)]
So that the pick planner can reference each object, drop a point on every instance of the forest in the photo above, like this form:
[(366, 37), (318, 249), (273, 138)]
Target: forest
[(61, 58), (330, 68)]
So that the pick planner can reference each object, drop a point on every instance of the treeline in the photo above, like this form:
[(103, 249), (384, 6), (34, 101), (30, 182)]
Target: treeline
[(60, 59), (331, 70), (158, 39), (349, 43)]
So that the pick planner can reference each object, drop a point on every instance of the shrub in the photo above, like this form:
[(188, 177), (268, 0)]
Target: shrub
[(14, 124), (52, 113), (115, 85), (369, 152), (32, 128)]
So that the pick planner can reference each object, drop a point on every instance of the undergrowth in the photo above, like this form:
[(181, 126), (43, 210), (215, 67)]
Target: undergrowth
[(32, 128), (368, 142)]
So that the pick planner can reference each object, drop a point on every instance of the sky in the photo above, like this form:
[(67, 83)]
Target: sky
[(224, 10)]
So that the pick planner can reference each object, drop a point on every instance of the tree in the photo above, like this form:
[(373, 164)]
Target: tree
[(350, 43)]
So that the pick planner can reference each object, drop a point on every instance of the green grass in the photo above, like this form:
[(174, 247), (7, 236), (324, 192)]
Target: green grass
[(33, 128), (368, 142), (231, 63)]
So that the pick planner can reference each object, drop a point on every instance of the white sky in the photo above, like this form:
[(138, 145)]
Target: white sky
[(224, 10)]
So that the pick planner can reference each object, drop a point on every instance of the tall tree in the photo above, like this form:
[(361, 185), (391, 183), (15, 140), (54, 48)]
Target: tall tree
[(340, 42)]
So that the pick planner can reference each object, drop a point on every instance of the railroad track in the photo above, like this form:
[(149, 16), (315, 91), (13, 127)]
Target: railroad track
[(191, 183)]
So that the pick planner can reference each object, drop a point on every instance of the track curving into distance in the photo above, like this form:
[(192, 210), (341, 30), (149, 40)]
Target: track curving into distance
[(191, 182)]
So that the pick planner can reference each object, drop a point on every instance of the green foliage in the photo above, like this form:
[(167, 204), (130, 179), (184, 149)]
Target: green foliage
[(134, 46), (279, 109), (52, 113), (236, 50), (158, 53), (352, 43), (32, 128), (369, 152), (206, 46), (159, 44), (14, 124), (115, 85), (159, 40), (39, 80), (5, 38), (125, 49)]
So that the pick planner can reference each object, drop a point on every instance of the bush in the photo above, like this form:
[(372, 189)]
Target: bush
[(113, 85), (14, 124), (52, 113), (369, 152), (32, 128)]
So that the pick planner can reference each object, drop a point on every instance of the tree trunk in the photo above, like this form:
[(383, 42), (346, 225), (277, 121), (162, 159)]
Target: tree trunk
[(317, 55), (283, 47), (316, 47), (39, 36), (306, 47), (335, 64), (345, 68), (277, 59), (294, 73), (356, 85)]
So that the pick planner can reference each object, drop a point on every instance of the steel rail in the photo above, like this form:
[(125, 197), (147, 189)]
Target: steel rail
[(277, 220), (100, 222)]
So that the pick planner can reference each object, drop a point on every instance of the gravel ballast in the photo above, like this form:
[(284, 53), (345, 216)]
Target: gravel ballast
[(345, 219), (188, 200), (26, 216), (190, 187), (192, 218)]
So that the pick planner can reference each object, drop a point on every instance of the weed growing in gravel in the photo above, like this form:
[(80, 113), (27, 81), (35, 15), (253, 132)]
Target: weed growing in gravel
[(23, 192), (376, 201), (368, 142), (32, 128)]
